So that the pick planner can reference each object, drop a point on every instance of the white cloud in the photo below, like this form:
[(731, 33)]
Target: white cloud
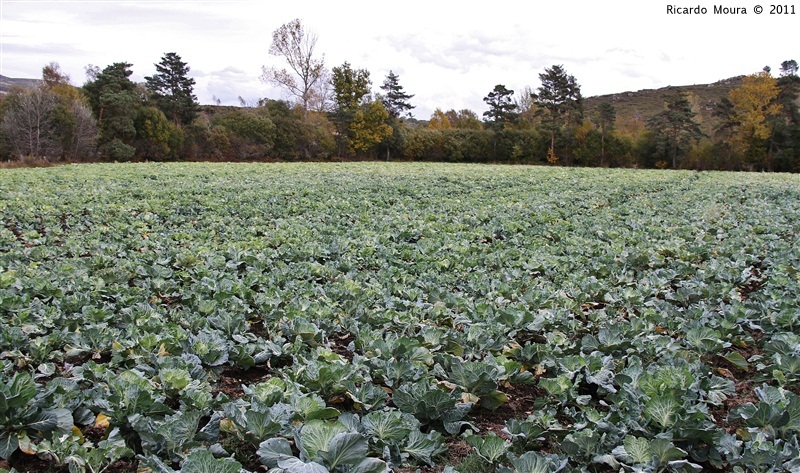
[(448, 54)]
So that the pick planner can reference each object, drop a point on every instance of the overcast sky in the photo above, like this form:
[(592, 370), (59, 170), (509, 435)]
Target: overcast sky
[(449, 54)]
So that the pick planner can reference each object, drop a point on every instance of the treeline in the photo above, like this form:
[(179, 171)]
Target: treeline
[(335, 115)]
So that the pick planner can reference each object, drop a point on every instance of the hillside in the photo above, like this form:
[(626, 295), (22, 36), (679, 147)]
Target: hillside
[(647, 102), (8, 83)]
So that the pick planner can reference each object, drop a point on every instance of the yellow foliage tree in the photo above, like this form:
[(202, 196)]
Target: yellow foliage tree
[(551, 156), (753, 106), (369, 127), (582, 132), (439, 121), (631, 126)]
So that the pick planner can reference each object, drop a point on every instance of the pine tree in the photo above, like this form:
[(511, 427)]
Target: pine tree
[(606, 116), (115, 102), (395, 101), (502, 108), (786, 139), (172, 90), (675, 128), (560, 97), (789, 89)]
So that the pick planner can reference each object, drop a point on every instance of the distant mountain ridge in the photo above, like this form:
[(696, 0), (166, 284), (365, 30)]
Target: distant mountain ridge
[(8, 83)]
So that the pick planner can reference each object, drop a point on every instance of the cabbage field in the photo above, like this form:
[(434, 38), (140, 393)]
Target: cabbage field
[(359, 317)]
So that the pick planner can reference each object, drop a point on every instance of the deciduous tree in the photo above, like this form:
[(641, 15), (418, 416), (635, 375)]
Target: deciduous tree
[(350, 87), (464, 119), (439, 121), (369, 127), (53, 77), (29, 123), (250, 132), (526, 105), (306, 70), (754, 105), (157, 138), (76, 128), (83, 139)]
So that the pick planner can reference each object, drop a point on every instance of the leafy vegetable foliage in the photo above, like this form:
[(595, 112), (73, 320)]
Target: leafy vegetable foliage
[(360, 317)]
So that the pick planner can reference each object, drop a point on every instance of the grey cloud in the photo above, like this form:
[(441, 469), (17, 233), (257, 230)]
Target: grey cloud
[(425, 52), (461, 51), (472, 51), (47, 49), (227, 85), (229, 73), (145, 14)]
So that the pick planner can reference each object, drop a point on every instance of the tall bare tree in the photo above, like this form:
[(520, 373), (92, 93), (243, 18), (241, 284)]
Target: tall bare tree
[(29, 124), (84, 134), (306, 71), (321, 95)]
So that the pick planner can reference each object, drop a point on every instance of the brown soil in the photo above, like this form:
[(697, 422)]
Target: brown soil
[(245, 453), (745, 392), (755, 283), (420, 469), (339, 343), (124, 466), (457, 451), (94, 434), (257, 328), (745, 389), (32, 464), (101, 358), (231, 380), (24, 463), (521, 398)]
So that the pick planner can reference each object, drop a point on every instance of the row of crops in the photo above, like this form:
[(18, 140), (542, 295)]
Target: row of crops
[(358, 317)]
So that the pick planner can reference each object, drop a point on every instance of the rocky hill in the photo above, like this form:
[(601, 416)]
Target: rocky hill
[(8, 83), (643, 104)]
